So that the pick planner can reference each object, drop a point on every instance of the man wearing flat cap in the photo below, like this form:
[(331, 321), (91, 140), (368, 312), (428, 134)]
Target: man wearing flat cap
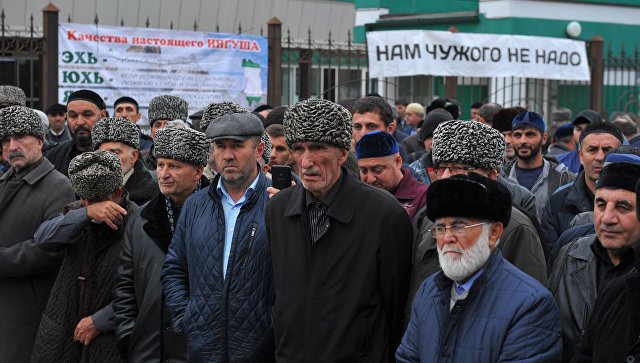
[(461, 147), (530, 170), (122, 138), (163, 109), (479, 308), (31, 191), (217, 274), (144, 330), (58, 130), (340, 276), (12, 96), (78, 322), (595, 141), (588, 264), (381, 166), (84, 109)]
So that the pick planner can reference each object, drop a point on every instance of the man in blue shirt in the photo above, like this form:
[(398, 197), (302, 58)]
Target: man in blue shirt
[(217, 275), (479, 308)]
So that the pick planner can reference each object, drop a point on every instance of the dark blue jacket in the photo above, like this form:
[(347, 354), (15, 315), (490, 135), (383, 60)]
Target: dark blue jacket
[(223, 320), (506, 317), (571, 160), (568, 201)]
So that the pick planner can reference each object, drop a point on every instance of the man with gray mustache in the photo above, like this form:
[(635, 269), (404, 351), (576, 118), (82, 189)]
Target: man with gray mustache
[(31, 191), (480, 307)]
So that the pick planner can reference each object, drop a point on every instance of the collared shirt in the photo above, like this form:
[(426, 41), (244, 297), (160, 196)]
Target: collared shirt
[(125, 178), (460, 291), (317, 210), (462, 288), (231, 212), (606, 270)]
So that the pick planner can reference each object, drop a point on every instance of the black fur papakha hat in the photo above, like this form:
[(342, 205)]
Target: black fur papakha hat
[(471, 196)]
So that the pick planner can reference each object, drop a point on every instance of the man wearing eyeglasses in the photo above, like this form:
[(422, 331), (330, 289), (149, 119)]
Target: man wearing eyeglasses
[(461, 147), (480, 308)]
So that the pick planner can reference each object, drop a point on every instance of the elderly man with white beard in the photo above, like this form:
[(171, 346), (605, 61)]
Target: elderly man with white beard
[(479, 308)]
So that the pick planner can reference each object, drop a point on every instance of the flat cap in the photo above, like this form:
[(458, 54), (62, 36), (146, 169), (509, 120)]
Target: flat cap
[(95, 174), (114, 129), (237, 126), (89, 96)]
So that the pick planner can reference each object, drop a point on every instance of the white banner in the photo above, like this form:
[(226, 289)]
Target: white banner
[(143, 63), (441, 53)]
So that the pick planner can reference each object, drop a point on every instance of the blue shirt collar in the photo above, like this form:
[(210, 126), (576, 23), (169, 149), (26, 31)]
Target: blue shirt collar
[(460, 289), (224, 194)]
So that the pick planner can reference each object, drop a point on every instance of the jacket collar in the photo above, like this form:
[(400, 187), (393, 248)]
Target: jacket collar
[(582, 250), (263, 184), (493, 263), (577, 195), (34, 176), (156, 223), (407, 186), (341, 209)]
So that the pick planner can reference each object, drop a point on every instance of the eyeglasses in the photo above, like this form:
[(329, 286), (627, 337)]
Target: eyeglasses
[(457, 229), (454, 170)]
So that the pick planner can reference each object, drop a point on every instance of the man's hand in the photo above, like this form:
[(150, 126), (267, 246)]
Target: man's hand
[(85, 331), (107, 212), (273, 191)]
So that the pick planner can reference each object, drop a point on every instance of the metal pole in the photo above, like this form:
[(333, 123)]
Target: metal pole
[(274, 77), (597, 72), (49, 55)]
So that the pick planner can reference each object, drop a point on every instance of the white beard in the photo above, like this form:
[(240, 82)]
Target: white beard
[(470, 260)]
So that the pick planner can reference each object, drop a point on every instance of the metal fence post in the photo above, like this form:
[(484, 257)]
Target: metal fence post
[(274, 78), (451, 82), (49, 55), (596, 59)]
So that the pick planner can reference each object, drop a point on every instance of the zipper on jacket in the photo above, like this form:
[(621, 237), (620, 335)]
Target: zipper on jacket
[(252, 236)]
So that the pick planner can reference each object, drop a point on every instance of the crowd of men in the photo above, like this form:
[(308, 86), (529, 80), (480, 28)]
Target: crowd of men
[(408, 233)]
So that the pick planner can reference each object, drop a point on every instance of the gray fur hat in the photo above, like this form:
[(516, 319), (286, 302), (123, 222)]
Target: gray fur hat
[(115, 129), (215, 110), (266, 155), (182, 144), (95, 174), (318, 121), (468, 142), (168, 107), (20, 120), (12, 95)]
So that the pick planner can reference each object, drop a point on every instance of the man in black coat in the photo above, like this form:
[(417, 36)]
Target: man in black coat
[(341, 250), (144, 323), (31, 191), (84, 109)]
